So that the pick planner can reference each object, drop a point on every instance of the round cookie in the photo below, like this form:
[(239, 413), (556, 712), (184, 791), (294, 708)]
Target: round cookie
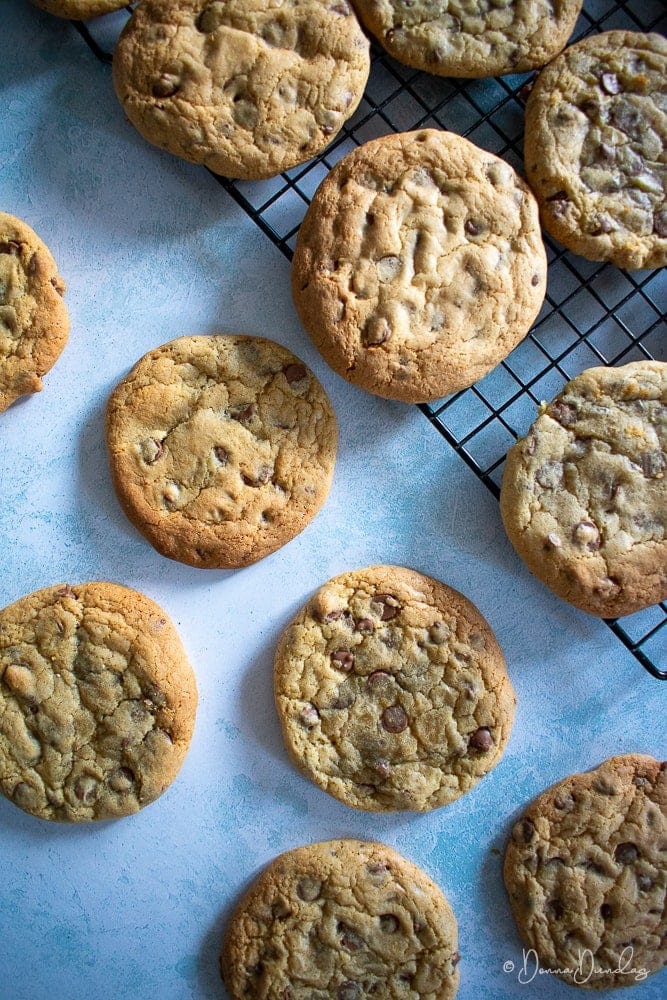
[(247, 87), (222, 448), (586, 874), (392, 691), (75, 10), (419, 265), (341, 920), (97, 702), (596, 131), (34, 323), (584, 494), (457, 38)]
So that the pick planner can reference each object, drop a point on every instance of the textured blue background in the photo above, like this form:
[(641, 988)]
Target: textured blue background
[(151, 249)]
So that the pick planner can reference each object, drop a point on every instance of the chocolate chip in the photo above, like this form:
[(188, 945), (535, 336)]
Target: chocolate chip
[(10, 247), (555, 909), (535, 280), (394, 719), (456, 958), (343, 660), (85, 790), (121, 780), (152, 450), (603, 225), (558, 196), (244, 414), (660, 223), (586, 534), (260, 478), (527, 830), (525, 91), (378, 677), (389, 605), (377, 869), (644, 883), (364, 625), (563, 412), (382, 768), (610, 83), (626, 853), (295, 374), (654, 463), (389, 923), (606, 911), (349, 939), (549, 475), (481, 740), (472, 228), (221, 454), (309, 716), (349, 991)]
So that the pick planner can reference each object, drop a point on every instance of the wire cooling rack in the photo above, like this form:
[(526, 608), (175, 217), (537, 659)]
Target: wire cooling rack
[(593, 313)]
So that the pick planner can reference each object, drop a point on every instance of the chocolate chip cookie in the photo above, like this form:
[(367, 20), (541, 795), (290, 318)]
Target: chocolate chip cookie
[(247, 88), (341, 920), (392, 691), (97, 702), (419, 265), (458, 38), (596, 131), (586, 873), (584, 494), (222, 448), (34, 323), (75, 10)]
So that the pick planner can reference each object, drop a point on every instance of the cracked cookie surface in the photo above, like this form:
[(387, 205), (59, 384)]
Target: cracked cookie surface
[(341, 920), (97, 702), (596, 133), (79, 9), (247, 87), (586, 873), (222, 448), (34, 323), (419, 265), (584, 493), (459, 38), (392, 691)]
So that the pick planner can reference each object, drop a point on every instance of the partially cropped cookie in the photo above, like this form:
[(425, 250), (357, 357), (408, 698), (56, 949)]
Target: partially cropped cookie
[(586, 873), (222, 448), (485, 38), (75, 10), (392, 691), (596, 130), (584, 494), (419, 265), (97, 702), (34, 323), (247, 88), (343, 920)]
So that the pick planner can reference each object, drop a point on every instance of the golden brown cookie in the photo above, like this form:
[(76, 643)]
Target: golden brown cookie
[(596, 131), (586, 873), (459, 38), (247, 87), (75, 10), (341, 920), (584, 493), (34, 323), (97, 702), (419, 265), (392, 691), (222, 448)]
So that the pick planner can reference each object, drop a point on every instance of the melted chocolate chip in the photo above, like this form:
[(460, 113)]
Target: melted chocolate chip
[(295, 374), (390, 606), (343, 660), (472, 228), (221, 454), (481, 740), (626, 853), (394, 719)]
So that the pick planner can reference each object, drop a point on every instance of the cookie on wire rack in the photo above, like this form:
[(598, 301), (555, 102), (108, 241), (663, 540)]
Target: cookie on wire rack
[(249, 89), (584, 493), (596, 132), (485, 38), (419, 265)]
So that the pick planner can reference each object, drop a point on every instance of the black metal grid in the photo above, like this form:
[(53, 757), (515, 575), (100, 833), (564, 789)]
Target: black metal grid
[(593, 313)]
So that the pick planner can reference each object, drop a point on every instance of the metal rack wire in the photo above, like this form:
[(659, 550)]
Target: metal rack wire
[(593, 313)]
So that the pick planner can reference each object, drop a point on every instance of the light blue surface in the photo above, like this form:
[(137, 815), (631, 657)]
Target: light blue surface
[(151, 249)]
